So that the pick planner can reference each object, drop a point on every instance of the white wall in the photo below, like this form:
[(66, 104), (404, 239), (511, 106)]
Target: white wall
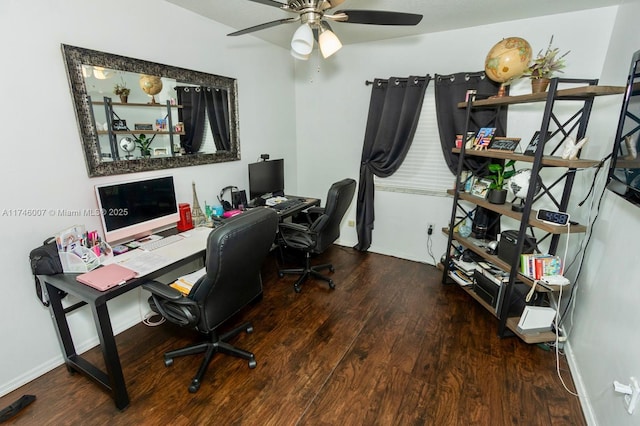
[(43, 165), (605, 340)]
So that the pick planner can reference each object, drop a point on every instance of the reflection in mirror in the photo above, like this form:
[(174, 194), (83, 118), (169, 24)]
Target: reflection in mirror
[(624, 175), (137, 115)]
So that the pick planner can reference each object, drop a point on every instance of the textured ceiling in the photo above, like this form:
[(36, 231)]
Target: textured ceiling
[(439, 15)]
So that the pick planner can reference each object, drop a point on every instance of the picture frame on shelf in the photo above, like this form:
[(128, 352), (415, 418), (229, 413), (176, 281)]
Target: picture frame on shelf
[(469, 143), (484, 138), (143, 126), (119, 124), (533, 144), (503, 144), (160, 151), (480, 187), (161, 124)]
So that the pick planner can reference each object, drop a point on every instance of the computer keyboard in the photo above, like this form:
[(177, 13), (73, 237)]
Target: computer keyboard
[(156, 244), (289, 204)]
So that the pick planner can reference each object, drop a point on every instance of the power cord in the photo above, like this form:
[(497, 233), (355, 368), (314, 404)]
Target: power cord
[(430, 245), (148, 318)]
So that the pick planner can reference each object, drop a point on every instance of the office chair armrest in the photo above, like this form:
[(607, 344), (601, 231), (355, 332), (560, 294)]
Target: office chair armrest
[(172, 304), (294, 226), (163, 290), (315, 210)]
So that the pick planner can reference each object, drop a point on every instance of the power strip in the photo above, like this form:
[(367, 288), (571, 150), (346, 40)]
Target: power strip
[(555, 280)]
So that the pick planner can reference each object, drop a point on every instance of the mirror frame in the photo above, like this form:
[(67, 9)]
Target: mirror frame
[(75, 57)]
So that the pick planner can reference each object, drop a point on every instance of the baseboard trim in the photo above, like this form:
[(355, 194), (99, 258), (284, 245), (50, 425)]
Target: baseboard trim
[(585, 403), (57, 361)]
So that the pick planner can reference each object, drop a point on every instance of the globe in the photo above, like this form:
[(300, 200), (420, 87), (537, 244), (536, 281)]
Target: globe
[(127, 144), (518, 186), (151, 85), (507, 60)]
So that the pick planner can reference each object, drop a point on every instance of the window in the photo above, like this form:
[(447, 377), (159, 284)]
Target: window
[(424, 170)]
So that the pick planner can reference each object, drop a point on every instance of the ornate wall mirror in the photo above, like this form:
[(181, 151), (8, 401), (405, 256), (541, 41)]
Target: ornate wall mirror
[(136, 115)]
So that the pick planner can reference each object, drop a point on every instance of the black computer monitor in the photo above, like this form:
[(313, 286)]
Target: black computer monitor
[(266, 177)]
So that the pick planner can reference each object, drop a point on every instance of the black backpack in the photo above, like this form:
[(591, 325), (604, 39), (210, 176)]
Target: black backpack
[(44, 260)]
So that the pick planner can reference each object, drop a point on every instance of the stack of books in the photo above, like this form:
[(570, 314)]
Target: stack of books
[(535, 266)]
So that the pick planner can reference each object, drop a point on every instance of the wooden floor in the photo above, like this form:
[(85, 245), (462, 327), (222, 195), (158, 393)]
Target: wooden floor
[(390, 345)]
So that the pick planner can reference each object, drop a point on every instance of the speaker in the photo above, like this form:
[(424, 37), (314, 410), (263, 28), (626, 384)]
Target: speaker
[(507, 246)]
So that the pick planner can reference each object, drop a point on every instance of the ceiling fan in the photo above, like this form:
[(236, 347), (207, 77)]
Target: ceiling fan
[(314, 18)]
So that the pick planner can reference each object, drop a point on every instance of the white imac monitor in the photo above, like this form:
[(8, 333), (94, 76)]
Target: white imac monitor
[(133, 209)]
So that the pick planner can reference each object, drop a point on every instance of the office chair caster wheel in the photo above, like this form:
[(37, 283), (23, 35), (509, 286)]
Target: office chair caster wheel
[(168, 362), (280, 274), (249, 329), (195, 385), (297, 288), (252, 363), (332, 269), (331, 285)]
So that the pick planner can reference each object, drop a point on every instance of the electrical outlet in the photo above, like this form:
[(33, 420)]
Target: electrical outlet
[(351, 223), (430, 229)]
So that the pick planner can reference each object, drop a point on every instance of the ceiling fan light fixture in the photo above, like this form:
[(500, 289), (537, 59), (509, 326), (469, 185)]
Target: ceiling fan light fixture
[(299, 56), (302, 41), (329, 43)]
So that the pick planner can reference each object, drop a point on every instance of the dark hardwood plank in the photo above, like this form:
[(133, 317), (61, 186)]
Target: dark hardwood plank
[(390, 345)]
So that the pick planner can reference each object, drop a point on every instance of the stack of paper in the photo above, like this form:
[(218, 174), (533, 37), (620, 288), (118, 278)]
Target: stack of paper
[(186, 282)]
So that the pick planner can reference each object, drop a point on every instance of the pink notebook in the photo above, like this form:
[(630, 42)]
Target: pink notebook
[(105, 277)]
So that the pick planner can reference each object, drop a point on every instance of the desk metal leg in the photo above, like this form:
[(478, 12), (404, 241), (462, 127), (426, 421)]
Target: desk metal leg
[(110, 354), (113, 380), (61, 325)]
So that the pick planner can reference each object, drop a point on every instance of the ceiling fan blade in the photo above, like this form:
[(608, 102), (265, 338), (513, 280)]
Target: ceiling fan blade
[(376, 17), (263, 26), (271, 3)]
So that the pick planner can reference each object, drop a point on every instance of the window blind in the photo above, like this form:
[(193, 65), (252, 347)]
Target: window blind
[(424, 170)]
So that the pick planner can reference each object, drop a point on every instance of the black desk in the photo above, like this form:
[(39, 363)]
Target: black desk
[(306, 203), (180, 253)]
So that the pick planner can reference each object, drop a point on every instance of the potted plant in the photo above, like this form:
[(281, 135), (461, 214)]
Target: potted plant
[(543, 67), (497, 192), (123, 91), (144, 143)]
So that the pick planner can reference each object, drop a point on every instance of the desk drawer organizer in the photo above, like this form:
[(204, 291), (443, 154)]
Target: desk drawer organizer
[(80, 252)]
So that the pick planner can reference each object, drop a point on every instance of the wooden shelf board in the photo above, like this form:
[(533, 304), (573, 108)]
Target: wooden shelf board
[(137, 104), (547, 336), (564, 94), (491, 258), (129, 132), (546, 160), (480, 300), (628, 164), (505, 209)]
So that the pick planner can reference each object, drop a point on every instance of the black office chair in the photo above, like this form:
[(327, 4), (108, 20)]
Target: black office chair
[(321, 232), (235, 253)]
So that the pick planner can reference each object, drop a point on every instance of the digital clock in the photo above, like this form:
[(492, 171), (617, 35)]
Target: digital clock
[(552, 217)]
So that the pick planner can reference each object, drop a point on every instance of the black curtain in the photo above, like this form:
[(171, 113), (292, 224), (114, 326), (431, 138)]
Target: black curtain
[(449, 91), (217, 104), (191, 115), (394, 110)]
